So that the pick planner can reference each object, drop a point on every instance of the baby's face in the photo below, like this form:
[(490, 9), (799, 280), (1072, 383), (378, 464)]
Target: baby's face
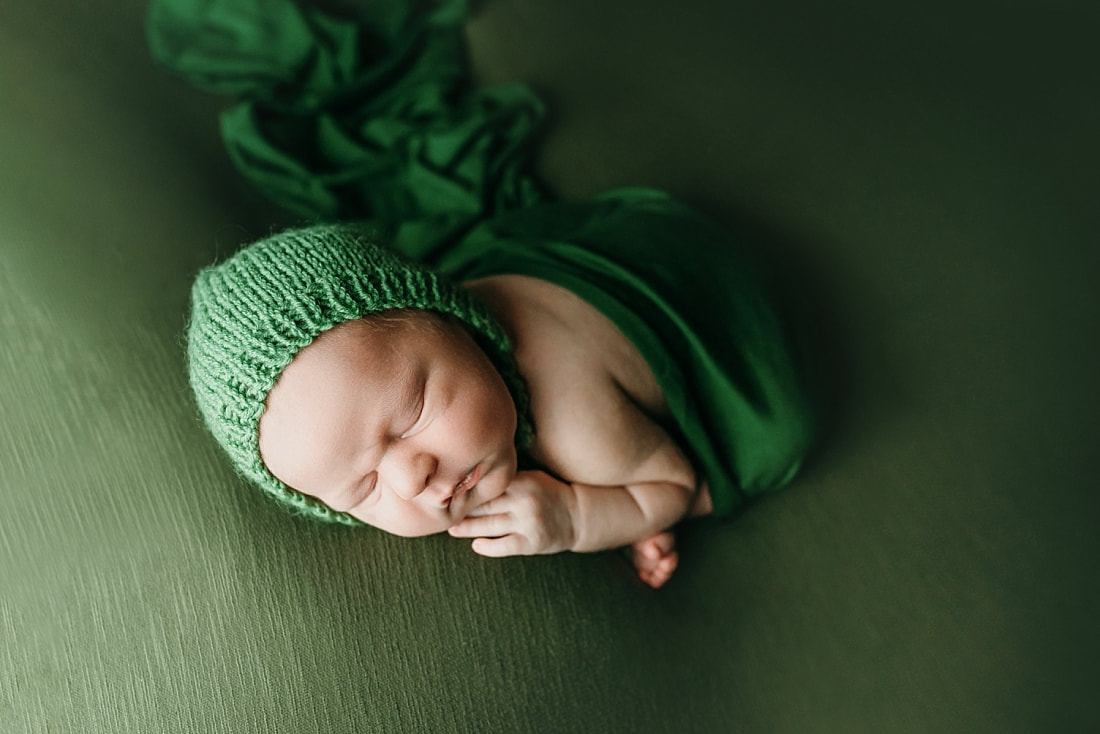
[(406, 426)]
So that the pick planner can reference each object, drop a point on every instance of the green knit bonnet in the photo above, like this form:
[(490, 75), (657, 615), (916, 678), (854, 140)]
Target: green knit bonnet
[(251, 314)]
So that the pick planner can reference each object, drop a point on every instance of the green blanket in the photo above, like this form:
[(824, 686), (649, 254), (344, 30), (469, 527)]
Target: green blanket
[(373, 119)]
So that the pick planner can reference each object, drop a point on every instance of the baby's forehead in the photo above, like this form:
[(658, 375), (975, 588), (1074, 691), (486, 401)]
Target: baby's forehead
[(366, 359), (376, 351), (343, 353), (408, 319)]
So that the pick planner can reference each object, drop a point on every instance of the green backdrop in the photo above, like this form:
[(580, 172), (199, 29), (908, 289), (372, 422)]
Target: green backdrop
[(933, 169)]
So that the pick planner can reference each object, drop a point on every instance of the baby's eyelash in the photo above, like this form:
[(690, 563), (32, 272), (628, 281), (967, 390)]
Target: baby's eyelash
[(419, 414), (370, 481)]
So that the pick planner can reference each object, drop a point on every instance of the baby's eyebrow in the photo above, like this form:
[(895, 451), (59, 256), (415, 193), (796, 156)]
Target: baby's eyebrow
[(403, 407), (414, 383)]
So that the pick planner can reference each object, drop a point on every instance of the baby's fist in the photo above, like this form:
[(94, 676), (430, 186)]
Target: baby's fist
[(533, 516)]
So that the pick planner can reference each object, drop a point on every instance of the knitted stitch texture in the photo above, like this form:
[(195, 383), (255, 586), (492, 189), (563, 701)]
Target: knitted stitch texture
[(251, 314)]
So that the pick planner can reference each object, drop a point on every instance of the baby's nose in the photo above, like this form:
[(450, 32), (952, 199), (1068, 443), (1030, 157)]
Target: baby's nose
[(415, 476)]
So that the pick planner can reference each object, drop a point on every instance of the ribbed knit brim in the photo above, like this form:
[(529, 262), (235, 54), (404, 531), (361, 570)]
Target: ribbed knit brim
[(251, 314)]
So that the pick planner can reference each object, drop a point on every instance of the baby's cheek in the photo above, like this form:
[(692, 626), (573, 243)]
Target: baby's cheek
[(494, 414), (483, 428)]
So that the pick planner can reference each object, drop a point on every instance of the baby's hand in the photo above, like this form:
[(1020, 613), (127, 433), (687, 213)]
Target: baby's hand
[(533, 516)]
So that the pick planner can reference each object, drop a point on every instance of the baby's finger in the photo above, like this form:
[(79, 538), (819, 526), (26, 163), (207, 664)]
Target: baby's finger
[(495, 506), (484, 526), (509, 545)]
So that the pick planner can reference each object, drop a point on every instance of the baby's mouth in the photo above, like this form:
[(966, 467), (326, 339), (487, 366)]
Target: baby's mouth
[(472, 477)]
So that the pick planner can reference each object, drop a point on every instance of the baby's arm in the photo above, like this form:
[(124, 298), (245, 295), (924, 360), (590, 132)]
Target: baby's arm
[(541, 514), (623, 479)]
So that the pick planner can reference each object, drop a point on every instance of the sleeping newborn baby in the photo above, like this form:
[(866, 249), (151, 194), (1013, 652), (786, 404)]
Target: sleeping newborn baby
[(555, 381)]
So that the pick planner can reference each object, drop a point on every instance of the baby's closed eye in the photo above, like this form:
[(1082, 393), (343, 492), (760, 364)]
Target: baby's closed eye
[(365, 490)]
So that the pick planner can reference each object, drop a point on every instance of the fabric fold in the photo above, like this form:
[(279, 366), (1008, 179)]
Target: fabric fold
[(366, 118)]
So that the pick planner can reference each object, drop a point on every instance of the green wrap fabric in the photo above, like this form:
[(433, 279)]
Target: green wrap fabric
[(695, 306), (373, 119)]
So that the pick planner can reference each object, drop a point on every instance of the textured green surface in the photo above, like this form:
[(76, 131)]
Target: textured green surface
[(932, 571)]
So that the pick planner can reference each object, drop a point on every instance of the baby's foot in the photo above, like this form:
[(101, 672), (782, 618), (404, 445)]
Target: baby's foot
[(656, 558)]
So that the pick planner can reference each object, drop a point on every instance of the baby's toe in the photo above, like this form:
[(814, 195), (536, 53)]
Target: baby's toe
[(657, 578), (664, 542)]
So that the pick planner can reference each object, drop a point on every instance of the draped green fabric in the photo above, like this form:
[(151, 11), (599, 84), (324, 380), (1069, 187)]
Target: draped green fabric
[(372, 118)]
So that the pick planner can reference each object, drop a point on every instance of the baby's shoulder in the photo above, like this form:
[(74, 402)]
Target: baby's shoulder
[(594, 399), (565, 344)]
